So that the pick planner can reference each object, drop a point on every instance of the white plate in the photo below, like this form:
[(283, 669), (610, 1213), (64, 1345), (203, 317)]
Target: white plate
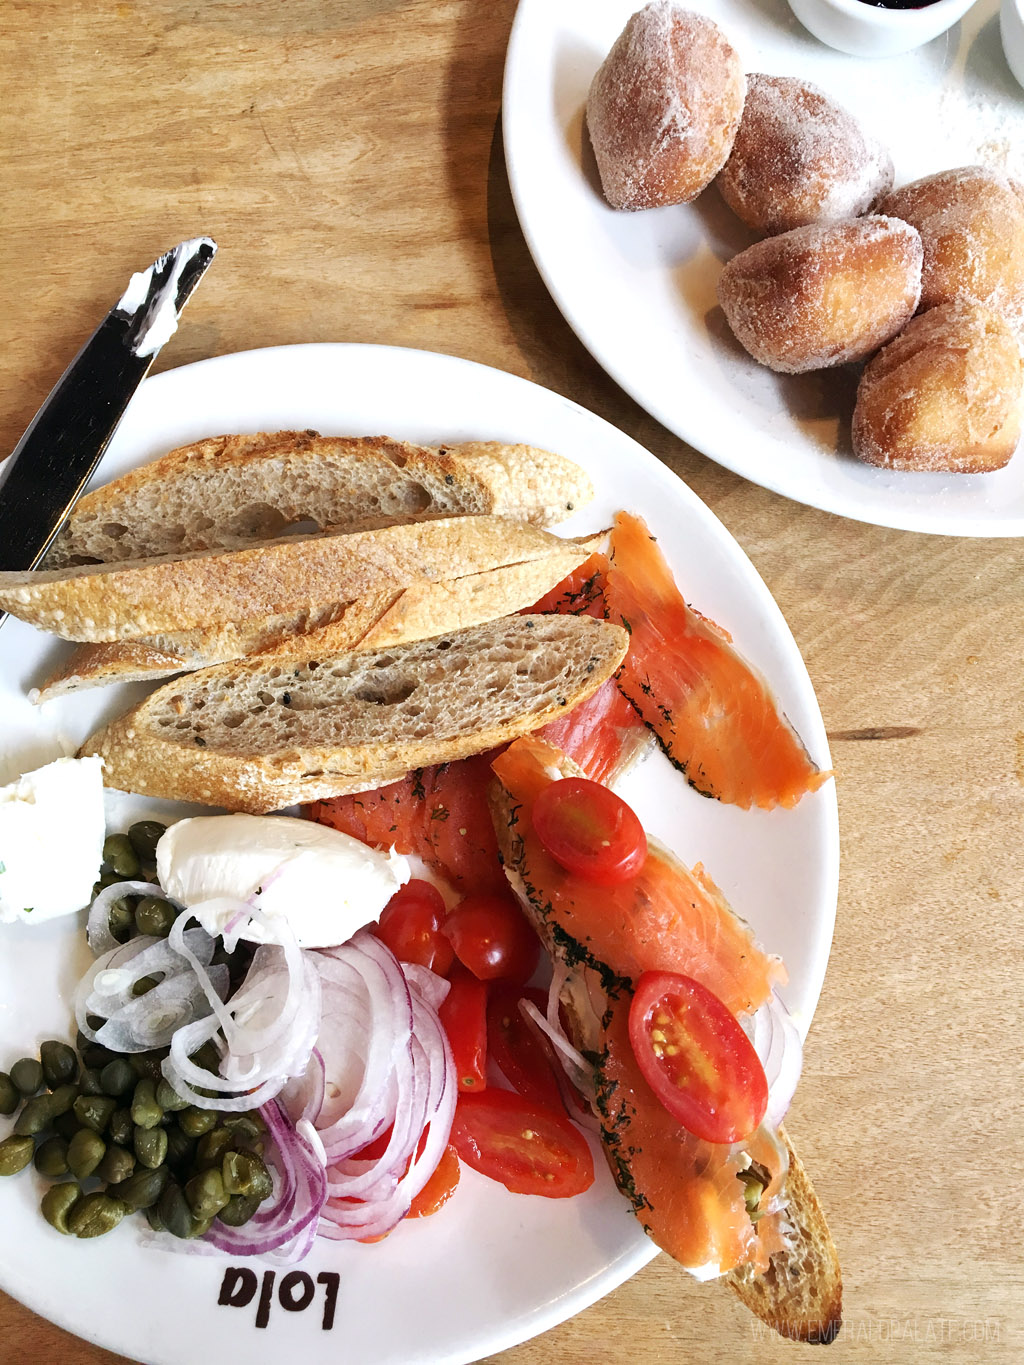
[(492, 1269), (639, 288)]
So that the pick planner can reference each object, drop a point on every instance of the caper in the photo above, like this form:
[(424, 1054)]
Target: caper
[(212, 1146), (59, 1063), (119, 856), (244, 1173), (94, 1214), (246, 1126), (153, 1216), (117, 1165), (195, 1122), (207, 1057), (63, 1098), (206, 1194), (9, 1095), (120, 917), (155, 916), (36, 1116), (15, 1153), (175, 1213), (85, 1152), (147, 1064), (94, 1111), (96, 1055), (66, 1125), (151, 1146), (144, 1188), (27, 1075), (51, 1158), (180, 1148), (57, 1203), (144, 836), (121, 1127), (89, 1081), (168, 1098), (118, 1077), (239, 1209), (146, 1113)]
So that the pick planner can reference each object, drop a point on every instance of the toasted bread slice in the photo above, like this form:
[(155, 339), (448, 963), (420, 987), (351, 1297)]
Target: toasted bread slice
[(374, 622), (264, 733), (293, 574), (230, 490), (800, 1294)]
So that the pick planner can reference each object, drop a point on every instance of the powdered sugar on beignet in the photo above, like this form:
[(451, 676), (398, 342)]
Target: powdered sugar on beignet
[(823, 295), (799, 158), (664, 107), (971, 222), (946, 395)]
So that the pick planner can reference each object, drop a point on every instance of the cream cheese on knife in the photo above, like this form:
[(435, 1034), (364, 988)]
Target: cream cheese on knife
[(325, 883), (51, 840)]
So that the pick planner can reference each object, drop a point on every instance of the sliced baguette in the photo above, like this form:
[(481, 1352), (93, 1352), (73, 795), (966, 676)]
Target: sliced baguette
[(230, 490), (375, 622), (800, 1294), (293, 574), (261, 734)]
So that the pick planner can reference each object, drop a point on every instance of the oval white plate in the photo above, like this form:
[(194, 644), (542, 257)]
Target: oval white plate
[(639, 288), (492, 1268)]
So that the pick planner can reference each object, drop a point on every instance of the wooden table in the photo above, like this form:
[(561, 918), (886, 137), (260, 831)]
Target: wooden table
[(347, 156)]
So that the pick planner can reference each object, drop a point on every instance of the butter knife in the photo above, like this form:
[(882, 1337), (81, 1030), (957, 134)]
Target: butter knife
[(44, 476)]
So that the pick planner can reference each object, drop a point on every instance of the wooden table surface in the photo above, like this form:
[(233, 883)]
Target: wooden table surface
[(347, 157)]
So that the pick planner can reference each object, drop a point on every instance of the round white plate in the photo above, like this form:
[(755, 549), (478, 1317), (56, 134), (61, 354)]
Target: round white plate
[(492, 1268), (639, 289)]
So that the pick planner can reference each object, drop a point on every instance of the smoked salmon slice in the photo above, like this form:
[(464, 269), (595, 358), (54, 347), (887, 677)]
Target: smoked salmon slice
[(604, 735), (688, 1194), (666, 918), (712, 713), (438, 814)]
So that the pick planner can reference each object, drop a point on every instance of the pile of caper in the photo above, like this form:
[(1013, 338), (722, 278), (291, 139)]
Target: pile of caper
[(110, 1129), (118, 1138)]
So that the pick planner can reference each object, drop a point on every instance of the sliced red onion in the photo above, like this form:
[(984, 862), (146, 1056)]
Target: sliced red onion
[(776, 1041), (97, 929), (386, 1062), (137, 1023)]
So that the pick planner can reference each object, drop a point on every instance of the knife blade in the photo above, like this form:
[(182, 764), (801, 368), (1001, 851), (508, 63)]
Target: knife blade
[(43, 478)]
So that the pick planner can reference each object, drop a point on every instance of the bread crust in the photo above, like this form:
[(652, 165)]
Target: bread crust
[(261, 734), (227, 491), (142, 598), (381, 620)]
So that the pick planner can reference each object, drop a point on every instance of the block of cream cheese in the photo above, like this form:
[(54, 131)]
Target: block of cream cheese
[(325, 883), (51, 840)]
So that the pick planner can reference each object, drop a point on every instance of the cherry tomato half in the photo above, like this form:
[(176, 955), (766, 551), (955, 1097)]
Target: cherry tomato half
[(526, 1147), (410, 925), (463, 1016), (696, 1058), (439, 1188), (491, 937), (521, 1053), (589, 830)]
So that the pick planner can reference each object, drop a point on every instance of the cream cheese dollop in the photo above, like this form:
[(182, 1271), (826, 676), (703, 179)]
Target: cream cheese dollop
[(324, 883), (51, 840)]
